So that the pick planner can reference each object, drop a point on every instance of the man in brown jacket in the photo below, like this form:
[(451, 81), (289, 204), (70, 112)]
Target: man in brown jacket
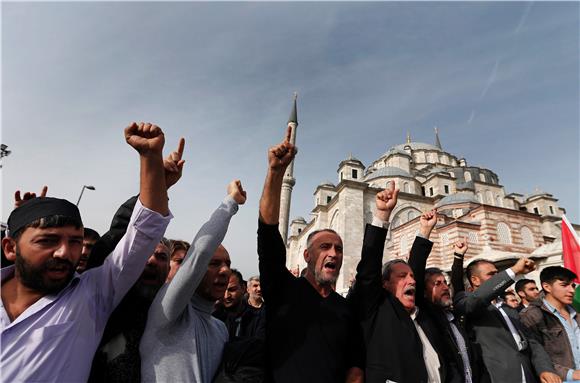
[(555, 323)]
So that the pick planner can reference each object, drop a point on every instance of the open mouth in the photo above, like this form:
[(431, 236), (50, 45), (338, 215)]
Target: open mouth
[(409, 292), (330, 265)]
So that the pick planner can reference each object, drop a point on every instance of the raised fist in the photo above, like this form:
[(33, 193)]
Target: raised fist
[(428, 219), (145, 138), (18, 201), (387, 199), (524, 266), (237, 192), (460, 247), (280, 156), (173, 164)]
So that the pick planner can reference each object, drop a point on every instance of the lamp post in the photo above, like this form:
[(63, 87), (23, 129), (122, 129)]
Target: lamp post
[(4, 152), (82, 190)]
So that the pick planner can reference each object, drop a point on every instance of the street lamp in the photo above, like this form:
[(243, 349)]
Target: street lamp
[(82, 190), (4, 152)]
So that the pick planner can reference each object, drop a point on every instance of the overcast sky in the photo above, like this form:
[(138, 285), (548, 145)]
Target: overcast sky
[(500, 80)]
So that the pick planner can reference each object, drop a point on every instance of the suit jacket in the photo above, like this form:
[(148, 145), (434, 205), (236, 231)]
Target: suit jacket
[(394, 349), (491, 333)]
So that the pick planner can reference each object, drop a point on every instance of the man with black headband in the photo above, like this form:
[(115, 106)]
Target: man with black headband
[(51, 320)]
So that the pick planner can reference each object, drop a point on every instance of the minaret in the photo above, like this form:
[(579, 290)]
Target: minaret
[(289, 180), (437, 142)]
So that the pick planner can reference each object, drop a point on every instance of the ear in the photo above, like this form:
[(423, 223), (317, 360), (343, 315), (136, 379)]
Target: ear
[(521, 294), (9, 247), (547, 287), (306, 256)]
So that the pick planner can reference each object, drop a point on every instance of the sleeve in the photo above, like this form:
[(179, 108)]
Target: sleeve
[(457, 274), (356, 347), (272, 262), (367, 290), (540, 358), (418, 262), (106, 244), (472, 303), (173, 297), (123, 267)]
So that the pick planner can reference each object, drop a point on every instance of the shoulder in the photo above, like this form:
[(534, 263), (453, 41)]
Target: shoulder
[(531, 315)]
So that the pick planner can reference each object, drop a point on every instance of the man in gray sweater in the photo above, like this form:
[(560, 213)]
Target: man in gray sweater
[(182, 341)]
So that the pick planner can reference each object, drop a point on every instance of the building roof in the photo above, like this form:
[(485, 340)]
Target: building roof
[(299, 220), (417, 146), (327, 183), (456, 198), (388, 171)]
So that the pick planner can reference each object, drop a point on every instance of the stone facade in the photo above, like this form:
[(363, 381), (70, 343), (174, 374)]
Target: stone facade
[(470, 201)]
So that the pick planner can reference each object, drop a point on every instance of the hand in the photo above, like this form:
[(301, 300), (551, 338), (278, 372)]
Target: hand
[(28, 196), (386, 201), (523, 266), (460, 247), (280, 156), (549, 377), (427, 222), (145, 138), (173, 164), (236, 191), (576, 375)]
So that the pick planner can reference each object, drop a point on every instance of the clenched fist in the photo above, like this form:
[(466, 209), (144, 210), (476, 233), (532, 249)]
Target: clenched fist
[(236, 191), (146, 138)]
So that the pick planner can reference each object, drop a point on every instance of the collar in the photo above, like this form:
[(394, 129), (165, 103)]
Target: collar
[(553, 310), (414, 313)]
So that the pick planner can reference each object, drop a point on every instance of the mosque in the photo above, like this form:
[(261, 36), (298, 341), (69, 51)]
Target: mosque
[(470, 200)]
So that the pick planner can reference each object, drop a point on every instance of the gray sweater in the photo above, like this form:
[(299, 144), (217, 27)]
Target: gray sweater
[(182, 341)]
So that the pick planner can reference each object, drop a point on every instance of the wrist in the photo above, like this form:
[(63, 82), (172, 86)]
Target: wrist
[(425, 232), (383, 215)]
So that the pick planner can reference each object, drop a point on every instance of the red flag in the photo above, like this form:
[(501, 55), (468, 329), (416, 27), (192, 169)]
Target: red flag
[(570, 247)]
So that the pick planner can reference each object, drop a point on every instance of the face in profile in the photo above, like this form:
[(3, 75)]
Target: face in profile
[(88, 244), (402, 285), (157, 267), (483, 272)]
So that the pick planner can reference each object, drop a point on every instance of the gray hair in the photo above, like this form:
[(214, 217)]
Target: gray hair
[(254, 278), (311, 235), (388, 268)]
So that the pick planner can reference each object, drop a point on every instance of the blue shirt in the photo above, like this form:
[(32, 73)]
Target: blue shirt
[(55, 339), (573, 332)]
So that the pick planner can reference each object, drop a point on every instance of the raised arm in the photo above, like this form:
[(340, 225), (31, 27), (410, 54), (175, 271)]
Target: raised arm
[(420, 252), (174, 297), (271, 248), (470, 304), (367, 289), (459, 249)]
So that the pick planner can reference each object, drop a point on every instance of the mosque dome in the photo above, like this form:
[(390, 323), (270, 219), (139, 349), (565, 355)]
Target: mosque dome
[(416, 146), (388, 171), (456, 198)]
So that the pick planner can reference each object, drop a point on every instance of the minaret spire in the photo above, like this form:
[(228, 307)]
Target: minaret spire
[(437, 141), (289, 180), (408, 137)]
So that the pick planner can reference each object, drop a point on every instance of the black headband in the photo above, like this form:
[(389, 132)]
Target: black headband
[(38, 208)]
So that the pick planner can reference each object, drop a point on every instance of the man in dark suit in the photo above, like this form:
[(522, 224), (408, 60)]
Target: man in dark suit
[(508, 354)]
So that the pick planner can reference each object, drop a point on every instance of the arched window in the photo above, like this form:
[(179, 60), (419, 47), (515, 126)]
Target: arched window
[(504, 234), (498, 201), (527, 237), (480, 197), (445, 239), (406, 187), (472, 237), (403, 245), (467, 176), (411, 215), (489, 197), (396, 222)]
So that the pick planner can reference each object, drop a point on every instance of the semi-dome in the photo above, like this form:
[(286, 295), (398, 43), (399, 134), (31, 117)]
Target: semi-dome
[(299, 220), (460, 197), (388, 171), (327, 183)]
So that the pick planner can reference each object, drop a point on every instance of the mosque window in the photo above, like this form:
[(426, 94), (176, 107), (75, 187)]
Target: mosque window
[(482, 177), (480, 197), (328, 198), (537, 211), (446, 189), (551, 209), (472, 237), (527, 237), (423, 190), (354, 174), (341, 176), (299, 231), (396, 222), (499, 201), (467, 176), (445, 239), (503, 233), (431, 191), (406, 187), (452, 174), (489, 197)]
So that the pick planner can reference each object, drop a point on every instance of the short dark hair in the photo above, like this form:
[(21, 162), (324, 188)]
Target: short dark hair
[(430, 271), (179, 244), (470, 270), (506, 293), (556, 273), (91, 234), (388, 268), (521, 284), (238, 275), (47, 222)]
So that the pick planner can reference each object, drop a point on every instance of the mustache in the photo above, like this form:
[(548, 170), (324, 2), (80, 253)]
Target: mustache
[(57, 262)]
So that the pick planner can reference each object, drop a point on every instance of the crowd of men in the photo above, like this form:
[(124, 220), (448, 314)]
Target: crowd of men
[(132, 306)]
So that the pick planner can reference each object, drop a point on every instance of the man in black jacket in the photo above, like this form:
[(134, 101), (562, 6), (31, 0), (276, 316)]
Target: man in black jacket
[(384, 303)]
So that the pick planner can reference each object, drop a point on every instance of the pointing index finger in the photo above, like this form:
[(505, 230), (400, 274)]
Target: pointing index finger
[(288, 134), (180, 147)]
